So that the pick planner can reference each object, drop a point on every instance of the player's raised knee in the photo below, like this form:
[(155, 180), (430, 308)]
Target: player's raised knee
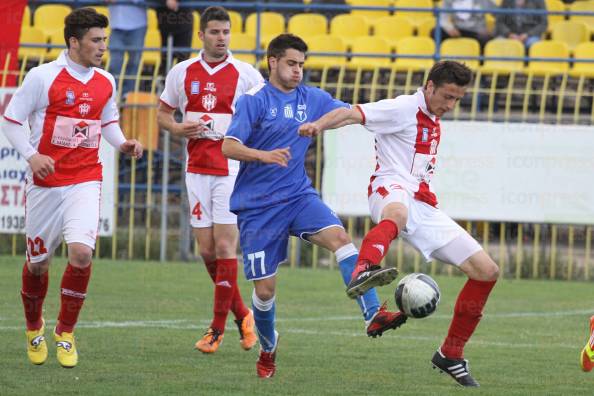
[(79, 255)]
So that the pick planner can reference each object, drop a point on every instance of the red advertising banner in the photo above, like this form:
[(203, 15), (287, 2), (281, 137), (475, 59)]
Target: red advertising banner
[(11, 17)]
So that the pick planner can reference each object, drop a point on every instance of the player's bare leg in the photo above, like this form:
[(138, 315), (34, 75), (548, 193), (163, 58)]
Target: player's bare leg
[(218, 250), (34, 289), (376, 243), (482, 274), (377, 319), (264, 315), (73, 290)]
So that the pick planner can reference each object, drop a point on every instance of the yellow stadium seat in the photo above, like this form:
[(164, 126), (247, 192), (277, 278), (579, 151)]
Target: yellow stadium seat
[(102, 10), (461, 47), (32, 35), (151, 40), (27, 16), (504, 48), (583, 51), (425, 27), (554, 5), (50, 17), (416, 17), (571, 33), (583, 6), (371, 14), (325, 43), (373, 45), (349, 27), (56, 38), (307, 25), (414, 46), (236, 22), (271, 25), (151, 19), (139, 119), (393, 28), (243, 41), (548, 49)]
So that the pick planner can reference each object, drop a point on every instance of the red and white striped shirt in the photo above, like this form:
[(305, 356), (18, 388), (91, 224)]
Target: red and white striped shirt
[(66, 111), (207, 95), (406, 141)]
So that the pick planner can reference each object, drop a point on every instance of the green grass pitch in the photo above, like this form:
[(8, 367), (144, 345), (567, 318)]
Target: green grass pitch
[(141, 319)]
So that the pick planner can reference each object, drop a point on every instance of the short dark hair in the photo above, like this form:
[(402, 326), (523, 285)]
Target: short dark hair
[(283, 42), (450, 72), (214, 13), (79, 21)]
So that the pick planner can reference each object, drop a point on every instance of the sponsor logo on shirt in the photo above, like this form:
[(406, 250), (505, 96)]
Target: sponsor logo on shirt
[(209, 101), (195, 87), (301, 114), (86, 97), (210, 87), (70, 97), (288, 111), (81, 130)]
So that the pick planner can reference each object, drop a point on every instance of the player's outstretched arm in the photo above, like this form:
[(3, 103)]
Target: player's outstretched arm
[(236, 150), (334, 119), (188, 129)]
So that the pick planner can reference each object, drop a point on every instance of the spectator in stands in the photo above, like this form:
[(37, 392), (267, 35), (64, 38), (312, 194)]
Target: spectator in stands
[(466, 24), (526, 28), (175, 19), (128, 28), (329, 13)]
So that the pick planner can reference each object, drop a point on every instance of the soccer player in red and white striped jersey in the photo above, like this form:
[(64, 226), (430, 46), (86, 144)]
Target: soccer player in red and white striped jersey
[(205, 89), (407, 134), (69, 105)]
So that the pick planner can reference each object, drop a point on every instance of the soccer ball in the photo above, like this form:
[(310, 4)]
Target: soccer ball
[(417, 295)]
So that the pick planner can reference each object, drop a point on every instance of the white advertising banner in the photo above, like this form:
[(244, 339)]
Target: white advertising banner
[(13, 170), (485, 171)]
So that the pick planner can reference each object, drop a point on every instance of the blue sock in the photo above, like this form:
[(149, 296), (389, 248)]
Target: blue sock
[(347, 259), (264, 317)]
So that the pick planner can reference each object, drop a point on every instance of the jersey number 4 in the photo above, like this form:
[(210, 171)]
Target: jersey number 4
[(252, 257), (36, 246), (196, 211)]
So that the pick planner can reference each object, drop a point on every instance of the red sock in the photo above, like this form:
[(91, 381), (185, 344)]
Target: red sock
[(224, 288), (237, 306), (467, 315), (33, 293), (73, 291), (376, 243), (211, 267)]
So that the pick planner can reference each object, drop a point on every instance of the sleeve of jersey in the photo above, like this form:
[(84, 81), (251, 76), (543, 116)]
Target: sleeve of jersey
[(26, 99), (170, 96), (384, 117), (244, 119), (329, 103), (110, 113)]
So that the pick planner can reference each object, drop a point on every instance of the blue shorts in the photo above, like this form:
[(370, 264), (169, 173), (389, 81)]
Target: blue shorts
[(264, 232)]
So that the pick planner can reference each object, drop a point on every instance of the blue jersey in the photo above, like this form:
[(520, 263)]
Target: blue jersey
[(266, 119)]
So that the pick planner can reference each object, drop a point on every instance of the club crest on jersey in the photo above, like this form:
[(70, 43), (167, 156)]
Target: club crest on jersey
[(301, 115), (425, 135), (70, 97), (81, 130), (84, 109), (273, 112), (209, 102), (195, 87), (288, 111)]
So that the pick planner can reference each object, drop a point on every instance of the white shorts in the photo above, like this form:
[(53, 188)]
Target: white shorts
[(428, 229), (71, 211), (209, 199)]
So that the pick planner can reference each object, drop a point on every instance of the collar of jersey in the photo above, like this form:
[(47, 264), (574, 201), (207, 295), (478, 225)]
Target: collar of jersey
[(423, 104), (212, 70), (81, 75)]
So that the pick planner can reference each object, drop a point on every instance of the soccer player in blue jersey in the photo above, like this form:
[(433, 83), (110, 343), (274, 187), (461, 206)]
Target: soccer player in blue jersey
[(273, 197)]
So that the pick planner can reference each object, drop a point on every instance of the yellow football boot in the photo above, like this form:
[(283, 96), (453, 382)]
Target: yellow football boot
[(66, 349), (587, 354), (247, 334), (210, 342), (36, 345)]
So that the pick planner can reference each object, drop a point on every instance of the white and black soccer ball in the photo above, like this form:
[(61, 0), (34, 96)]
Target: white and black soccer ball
[(417, 295)]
